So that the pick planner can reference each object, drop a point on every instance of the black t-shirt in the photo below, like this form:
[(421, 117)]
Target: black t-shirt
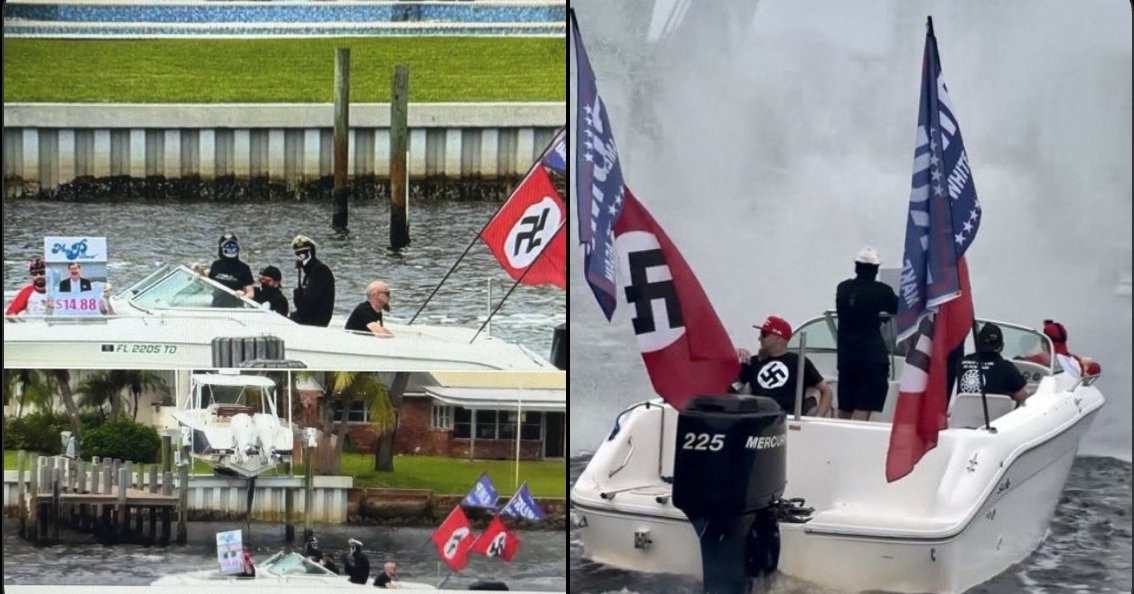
[(272, 295), (858, 301), (362, 315), (1000, 376), (775, 377), (231, 272), (382, 579)]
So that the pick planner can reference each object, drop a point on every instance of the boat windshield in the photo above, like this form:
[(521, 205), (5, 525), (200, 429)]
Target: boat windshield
[(177, 287), (293, 563)]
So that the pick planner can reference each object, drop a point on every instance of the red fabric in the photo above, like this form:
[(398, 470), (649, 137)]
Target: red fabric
[(497, 541), (776, 325), (20, 302), (920, 413), (453, 540), (694, 357), (528, 232)]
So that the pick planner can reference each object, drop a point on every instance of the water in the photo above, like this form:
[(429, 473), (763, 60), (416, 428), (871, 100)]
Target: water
[(538, 564), (1087, 549), (143, 235)]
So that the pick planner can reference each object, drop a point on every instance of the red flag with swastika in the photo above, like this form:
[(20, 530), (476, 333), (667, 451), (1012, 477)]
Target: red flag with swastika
[(530, 223)]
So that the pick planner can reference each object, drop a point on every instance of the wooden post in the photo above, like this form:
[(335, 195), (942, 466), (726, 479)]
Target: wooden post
[(183, 496), (308, 492), (141, 486), (141, 482), (289, 507), (166, 453), (123, 513), (56, 479), (151, 534), (341, 140), (30, 532), (21, 499), (399, 171), (166, 489), (107, 482)]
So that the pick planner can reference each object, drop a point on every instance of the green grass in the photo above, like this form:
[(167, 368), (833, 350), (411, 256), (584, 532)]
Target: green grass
[(282, 70), (445, 476)]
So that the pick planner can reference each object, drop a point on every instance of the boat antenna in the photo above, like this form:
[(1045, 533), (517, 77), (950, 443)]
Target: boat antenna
[(516, 283), (537, 163)]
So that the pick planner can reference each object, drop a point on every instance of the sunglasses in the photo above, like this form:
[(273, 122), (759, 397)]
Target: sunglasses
[(39, 273)]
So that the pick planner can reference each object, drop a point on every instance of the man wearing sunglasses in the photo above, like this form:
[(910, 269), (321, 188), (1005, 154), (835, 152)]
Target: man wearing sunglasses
[(32, 299), (773, 371), (367, 316)]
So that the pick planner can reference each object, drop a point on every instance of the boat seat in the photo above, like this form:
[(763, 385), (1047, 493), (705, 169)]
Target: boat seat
[(966, 410), (876, 520)]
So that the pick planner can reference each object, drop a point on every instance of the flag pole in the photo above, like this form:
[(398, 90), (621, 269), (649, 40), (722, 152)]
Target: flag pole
[(538, 162), (519, 280)]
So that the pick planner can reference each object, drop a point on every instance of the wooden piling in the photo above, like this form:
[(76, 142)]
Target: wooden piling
[(308, 492), (122, 510), (289, 508), (56, 479), (399, 173), (166, 489), (183, 496), (166, 453), (341, 140), (31, 531), (21, 498)]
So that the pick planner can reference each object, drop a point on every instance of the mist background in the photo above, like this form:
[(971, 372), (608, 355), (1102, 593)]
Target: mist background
[(772, 140)]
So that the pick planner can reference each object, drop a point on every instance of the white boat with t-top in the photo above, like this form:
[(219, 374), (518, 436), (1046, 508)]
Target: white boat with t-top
[(281, 569), (974, 505), (176, 318)]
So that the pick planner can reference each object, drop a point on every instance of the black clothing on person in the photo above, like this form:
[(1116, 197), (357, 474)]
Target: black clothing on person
[(357, 567), (864, 386), (775, 377), (312, 552), (1000, 375), (232, 273), (330, 565), (272, 295), (65, 285), (362, 315), (315, 296), (382, 579), (862, 357)]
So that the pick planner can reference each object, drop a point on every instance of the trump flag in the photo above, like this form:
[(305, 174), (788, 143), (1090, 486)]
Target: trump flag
[(529, 224), (482, 494), (522, 505), (453, 539), (684, 345), (934, 296)]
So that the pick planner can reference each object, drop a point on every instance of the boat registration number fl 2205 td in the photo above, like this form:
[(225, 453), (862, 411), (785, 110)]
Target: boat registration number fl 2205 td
[(145, 349)]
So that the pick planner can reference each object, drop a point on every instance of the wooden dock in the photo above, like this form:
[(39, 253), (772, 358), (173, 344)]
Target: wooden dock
[(117, 501)]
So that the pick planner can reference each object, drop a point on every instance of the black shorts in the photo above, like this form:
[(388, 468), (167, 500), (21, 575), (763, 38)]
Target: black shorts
[(863, 386)]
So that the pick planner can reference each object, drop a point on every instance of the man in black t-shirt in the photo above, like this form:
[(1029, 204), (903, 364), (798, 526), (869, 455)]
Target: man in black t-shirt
[(863, 360), (389, 572), (999, 375), (367, 316), (228, 269), (269, 290), (773, 371)]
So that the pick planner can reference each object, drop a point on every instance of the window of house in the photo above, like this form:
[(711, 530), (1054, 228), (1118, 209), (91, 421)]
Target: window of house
[(530, 425), (441, 417), (357, 413), (486, 424), (507, 426), (462, 422)]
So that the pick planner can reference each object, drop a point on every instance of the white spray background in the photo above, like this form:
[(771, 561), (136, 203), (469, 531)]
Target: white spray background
[(772, 143)]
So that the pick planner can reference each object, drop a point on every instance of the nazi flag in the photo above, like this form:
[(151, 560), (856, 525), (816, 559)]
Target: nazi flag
[(529, 224)]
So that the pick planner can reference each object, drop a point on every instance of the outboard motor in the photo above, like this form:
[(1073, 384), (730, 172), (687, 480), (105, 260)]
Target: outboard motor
[(559, 347), (730, 465)]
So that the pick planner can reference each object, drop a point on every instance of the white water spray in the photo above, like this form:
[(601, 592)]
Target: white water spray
[(772, 143)]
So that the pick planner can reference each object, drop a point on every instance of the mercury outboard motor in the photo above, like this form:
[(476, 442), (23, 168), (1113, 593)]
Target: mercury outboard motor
[(559, 347), (730, 466)]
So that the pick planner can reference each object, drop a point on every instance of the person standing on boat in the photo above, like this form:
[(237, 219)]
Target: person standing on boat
[(315, 296), (228, 269), (32, 298), (269, 290), (773, 371), (987, 367), (356, 564), (863, 359), (367, 316)]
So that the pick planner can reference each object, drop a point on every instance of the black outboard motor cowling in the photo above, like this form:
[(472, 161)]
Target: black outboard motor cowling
[(730, 465), (559, 347)]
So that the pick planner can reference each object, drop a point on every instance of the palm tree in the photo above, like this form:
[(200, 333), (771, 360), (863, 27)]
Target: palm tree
[(345, 388), (28, 387), (384, 451), (62, 379), (105, 387)]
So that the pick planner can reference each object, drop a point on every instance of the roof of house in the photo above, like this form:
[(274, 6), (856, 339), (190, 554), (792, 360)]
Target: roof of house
[(501, 398)]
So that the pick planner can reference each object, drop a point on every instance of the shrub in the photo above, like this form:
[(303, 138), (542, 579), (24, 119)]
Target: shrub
[(123, 439), (36, 432)]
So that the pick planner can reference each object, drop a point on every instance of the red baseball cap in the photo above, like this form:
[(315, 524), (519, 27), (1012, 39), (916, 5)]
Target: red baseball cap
[(1058, 335), (775, 325)]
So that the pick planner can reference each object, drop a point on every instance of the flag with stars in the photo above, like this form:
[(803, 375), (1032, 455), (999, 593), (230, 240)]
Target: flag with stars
[(555, 157), (596, 175), (934, 296)]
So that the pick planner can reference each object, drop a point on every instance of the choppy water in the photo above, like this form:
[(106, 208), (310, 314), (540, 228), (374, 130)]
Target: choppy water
[(538, 564), (143, 235), (1088, 548)]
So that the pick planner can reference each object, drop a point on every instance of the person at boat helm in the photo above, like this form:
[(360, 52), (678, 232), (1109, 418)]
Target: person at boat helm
[(1068, 361), (356, 564), (269, 290), (311, 550), (998, 375), (389, 572), (773, 371), (314, 296), (32, 298), (863, 360), (228, 269), (367, 316)]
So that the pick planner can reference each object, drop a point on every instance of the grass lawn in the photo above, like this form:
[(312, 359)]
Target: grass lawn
[(445, 476), (282, 70)]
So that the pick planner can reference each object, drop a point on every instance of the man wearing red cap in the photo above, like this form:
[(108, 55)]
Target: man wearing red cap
[(772, 372), (1068, 361)]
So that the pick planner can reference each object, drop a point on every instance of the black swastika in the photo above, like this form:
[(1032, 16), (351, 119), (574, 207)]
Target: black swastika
[(642, 293)]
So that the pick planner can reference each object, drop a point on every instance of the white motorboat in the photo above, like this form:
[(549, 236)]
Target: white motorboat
[(175, 318), (977, 503), (281, 569), (234, 423)]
